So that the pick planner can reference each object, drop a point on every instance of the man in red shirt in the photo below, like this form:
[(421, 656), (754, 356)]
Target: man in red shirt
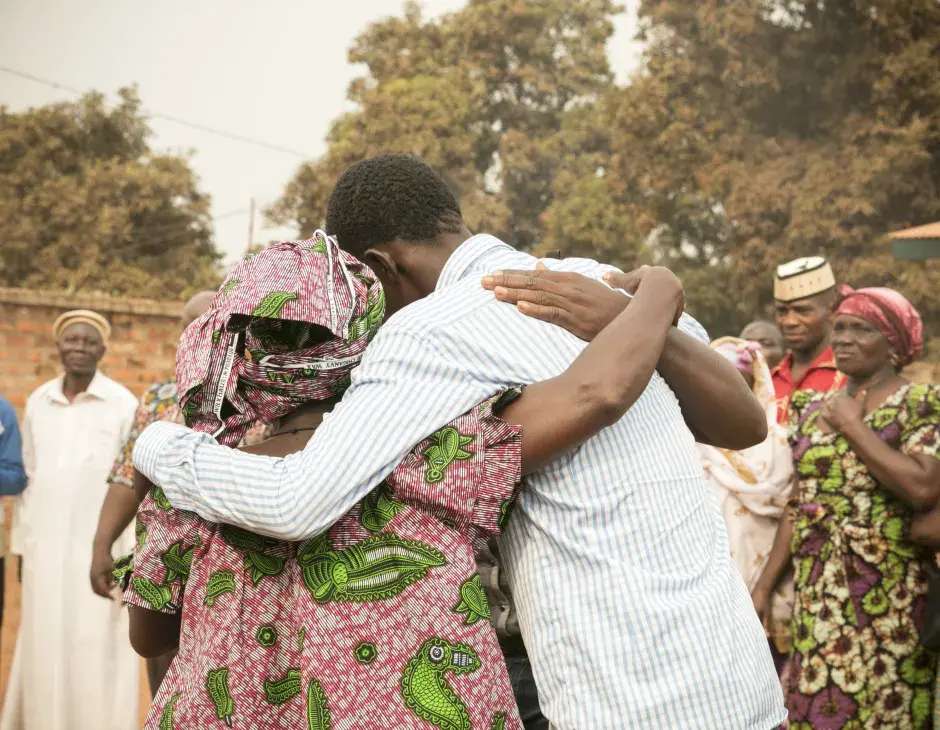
[(805, 294)]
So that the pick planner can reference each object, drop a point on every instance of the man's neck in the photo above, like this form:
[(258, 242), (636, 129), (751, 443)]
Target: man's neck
[(805, 358), (75, 383), (426, 269)]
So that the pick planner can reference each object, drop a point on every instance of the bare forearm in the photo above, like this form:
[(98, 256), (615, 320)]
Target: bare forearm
[(558, 415), (779, 559), (908, 478), (119, 508), (715, 400)]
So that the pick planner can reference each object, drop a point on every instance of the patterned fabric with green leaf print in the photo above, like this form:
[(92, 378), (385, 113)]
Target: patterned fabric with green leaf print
[(425, 687), (160, 402), (379, 508), (353, 625), (287, 327), (448, 445), (860, 583)]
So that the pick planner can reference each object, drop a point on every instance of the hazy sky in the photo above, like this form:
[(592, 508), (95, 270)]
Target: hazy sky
[(275, 71)]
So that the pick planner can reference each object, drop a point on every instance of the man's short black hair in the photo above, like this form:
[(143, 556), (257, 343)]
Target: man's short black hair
[(388, 197)]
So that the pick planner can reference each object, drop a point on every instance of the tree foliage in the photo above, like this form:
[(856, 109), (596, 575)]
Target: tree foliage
[(481, 94), (86, 205), (760, 132), (755, 132)]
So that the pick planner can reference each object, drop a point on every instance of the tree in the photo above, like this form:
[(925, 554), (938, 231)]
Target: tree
[(481, 94), (755, 132), (86, 205), (760, 132)]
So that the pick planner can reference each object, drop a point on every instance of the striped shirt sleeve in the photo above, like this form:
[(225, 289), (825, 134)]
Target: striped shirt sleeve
[(404, 390)]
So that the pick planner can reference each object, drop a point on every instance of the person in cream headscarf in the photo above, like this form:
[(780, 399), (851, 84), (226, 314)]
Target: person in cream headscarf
[(73, 668), (753, 486)]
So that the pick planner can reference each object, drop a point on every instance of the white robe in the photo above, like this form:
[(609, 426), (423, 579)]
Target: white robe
[(753, 487), (74, 668)]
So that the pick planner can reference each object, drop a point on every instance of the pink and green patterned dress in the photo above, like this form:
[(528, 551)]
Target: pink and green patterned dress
[(860, 583), (379, 623)]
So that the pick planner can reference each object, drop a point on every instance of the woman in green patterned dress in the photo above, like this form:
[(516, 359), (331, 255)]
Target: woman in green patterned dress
[(926, 531), (867, 462)]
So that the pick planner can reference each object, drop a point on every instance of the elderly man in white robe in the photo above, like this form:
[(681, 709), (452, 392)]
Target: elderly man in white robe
[(73, 668)]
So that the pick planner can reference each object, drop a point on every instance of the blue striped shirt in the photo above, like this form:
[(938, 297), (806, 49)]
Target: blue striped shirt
[(630, 606)]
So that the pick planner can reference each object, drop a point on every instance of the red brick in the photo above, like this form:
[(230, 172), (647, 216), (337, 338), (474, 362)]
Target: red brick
[(17, 400), (11, 340), (142, 349), (21, 368), (28, 325)]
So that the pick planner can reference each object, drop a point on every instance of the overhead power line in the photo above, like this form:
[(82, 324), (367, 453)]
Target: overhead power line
[(168, 118), (185, 224)]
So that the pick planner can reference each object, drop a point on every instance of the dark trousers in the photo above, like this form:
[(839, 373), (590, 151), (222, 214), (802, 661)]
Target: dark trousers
[(527, 697)]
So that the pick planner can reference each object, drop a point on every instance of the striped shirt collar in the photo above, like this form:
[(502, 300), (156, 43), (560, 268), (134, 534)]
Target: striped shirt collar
[(463, 260)]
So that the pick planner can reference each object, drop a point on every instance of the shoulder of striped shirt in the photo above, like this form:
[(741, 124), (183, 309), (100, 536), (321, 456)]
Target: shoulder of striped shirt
[(442, 309)]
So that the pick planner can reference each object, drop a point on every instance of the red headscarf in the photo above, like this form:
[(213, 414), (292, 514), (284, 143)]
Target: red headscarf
[(892, 314)]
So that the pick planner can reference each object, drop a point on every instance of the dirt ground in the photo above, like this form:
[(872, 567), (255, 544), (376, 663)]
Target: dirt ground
[(11, 623)]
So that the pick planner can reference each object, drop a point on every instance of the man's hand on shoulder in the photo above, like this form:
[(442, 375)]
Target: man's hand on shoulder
[(716, 403), (631, 280), (577, 303)]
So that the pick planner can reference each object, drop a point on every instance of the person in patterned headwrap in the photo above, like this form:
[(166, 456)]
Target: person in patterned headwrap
[(380, 621), (867, 462)]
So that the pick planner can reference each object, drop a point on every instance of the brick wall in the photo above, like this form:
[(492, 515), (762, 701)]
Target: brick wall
[(142, 348), (143, 343)]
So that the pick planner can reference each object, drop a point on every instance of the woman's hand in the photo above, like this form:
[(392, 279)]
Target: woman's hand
[(842, 412), (102, 571), (581, 305), (925, 528)]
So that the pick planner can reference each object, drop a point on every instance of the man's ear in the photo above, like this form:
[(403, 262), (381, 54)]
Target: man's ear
[(382, 264)]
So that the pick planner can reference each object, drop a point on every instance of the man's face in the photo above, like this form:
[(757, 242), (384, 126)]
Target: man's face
[(81, 349), (397, 293), (804, 323), (769, 339)]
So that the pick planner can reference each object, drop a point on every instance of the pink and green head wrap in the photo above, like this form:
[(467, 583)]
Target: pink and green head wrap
[(286, 327)]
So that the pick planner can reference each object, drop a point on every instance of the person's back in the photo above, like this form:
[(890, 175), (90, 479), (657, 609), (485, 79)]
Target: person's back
[(632, 610), (339, 625)]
